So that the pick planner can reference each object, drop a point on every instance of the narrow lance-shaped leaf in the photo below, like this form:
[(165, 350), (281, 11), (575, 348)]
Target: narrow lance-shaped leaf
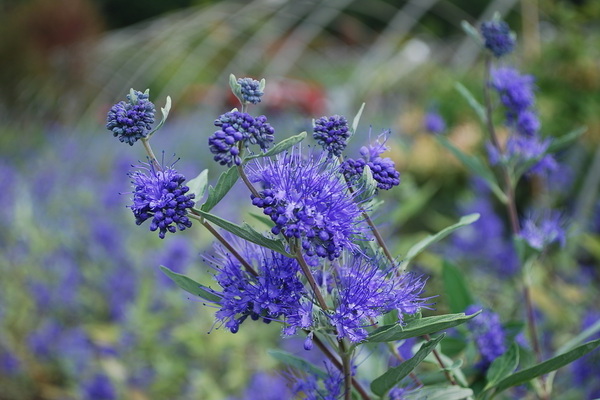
[(199, 184), (475, 105), (503, 366), (418, 327), (296, 362), (475, 166), (391, 377), (224, 184), (280, 147), (246, 232), (429, 240), (356, 119), (454, 284), (545, 367), (191, 286), (439, 393)]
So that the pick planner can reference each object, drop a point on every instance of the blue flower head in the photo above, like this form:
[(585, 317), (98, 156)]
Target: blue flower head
[(99, 387), (250, 90), (434, 122), (314, 387), (517, 95), (237, 129), (308, 200), (275, 294), (498, 37), (488, 334), (159, 193), (383, 169), (332, 134), (543, 229), (131, 120), (366, 292)]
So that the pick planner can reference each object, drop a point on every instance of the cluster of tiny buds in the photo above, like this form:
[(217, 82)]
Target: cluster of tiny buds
[(332, 134), (250, 90)]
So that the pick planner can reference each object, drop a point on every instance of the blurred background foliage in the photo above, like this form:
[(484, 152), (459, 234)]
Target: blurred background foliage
[(81, 296)]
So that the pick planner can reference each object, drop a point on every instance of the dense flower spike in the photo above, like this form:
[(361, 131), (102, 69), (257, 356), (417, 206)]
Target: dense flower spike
[(517, 95), (365, 292), (131, 120), (497, 37), (250, 90), (308, 200), (383, 169), (276, 293), (488, 333), (161, 195), (332, 134), (434, 123), (238, 129), (543, 229)]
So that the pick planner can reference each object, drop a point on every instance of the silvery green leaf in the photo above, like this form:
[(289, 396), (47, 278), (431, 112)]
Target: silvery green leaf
[(224, 184), (191, 286), (280, 147), (165, 113), (471, 31), (199, 184)]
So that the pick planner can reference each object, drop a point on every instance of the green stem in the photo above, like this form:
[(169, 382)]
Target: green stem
[(153, 160)]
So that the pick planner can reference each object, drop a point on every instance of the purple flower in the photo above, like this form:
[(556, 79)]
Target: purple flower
[(365, 292), (250, 90), (99, 387), (332, 134), (383, 169), (497, 37), (515, 90), (313, 387), (263, 386), (544, 228), (161, 195), (587, 368), (275, 293), (488, 334), (308, 200), (434, 122), (237, 129), (9, 363), (131, 120)]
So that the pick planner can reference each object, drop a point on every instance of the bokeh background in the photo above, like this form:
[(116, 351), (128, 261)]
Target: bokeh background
[(85, 312)]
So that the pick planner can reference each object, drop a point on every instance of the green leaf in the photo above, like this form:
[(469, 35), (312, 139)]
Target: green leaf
[(545, 367), (198, 184), (565, 140), (356, 119), (439, 393), (429, 240), (475, 166), (246, 232), (471, 31), (459, 297), (475, 105), (382, 384), (279, 147), (296, 362), (592, 330), (165, 113), (418, 327), (503, 366), (191, 286), (224, 184)]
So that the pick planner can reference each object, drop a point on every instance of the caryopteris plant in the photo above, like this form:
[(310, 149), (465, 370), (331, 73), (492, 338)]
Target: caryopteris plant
[(322, 269)]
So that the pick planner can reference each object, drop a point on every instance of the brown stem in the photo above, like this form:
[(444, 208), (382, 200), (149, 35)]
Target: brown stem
[(346, 370), (247, 181), (309, 276), (153, 160), (224, 242), (401, 359), (449, 376)]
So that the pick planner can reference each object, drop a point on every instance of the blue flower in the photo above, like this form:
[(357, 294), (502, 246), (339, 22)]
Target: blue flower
[(516, 90), (238, 129), (314, 387), (332, 134), (488, 334), (159, 193), (99, 387), (383, 169), (365, 292), (544, 228), (434, 122), (250, 90), (308, 200), (274, 294), (131, 120), (497, 37)]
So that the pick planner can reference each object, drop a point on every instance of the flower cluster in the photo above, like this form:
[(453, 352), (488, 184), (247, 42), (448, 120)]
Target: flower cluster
[(314, 387), (488, 334), (237, 129), (543, 229), (131, 120), (276, 292), (516, 93), (159, 193), (309, 201), (250, 90), (365, 292), (383, 169), (497, 37), (332, 134)]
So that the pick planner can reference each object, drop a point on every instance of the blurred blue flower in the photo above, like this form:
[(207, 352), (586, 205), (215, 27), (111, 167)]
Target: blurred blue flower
[(488, 333), (434, 122), (99, 387), (543, 228), (497, 37), (263, 386)]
